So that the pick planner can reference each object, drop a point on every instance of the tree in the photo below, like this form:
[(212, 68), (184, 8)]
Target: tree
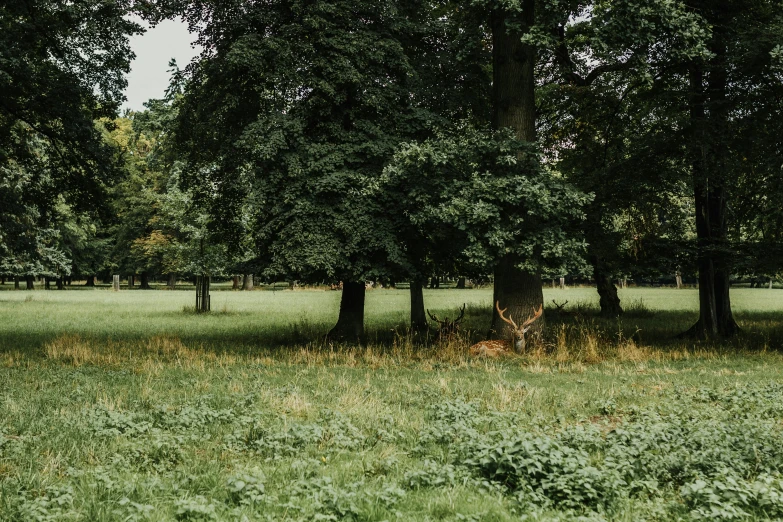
[(608, 127), (63, 66), (723, 98), (476, 195), (287, 119)]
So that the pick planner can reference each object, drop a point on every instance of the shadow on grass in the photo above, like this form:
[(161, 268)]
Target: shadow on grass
[(761, 331)]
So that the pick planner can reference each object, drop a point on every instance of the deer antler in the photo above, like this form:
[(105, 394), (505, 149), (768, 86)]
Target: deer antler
[(559, 306), (461, 314), (509, 320), (435, 317), (536, 315)]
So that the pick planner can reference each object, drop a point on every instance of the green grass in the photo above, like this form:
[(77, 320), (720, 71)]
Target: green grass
[(122, 406)]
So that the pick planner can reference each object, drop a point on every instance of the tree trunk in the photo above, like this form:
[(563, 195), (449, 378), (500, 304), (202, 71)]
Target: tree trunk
[(521, 294), (16, 282), (60, 283), (418, 315), (30, 282), (172, 283), (145, 281), (90, 281), (235, 283), (131, 281), (434, 282), (247, 282), (709, 173), (47, 283), (350, 324), (461, 283), (203, 303), (513, 84)]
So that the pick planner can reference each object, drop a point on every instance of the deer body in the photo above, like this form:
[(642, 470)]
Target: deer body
[(495, 348)]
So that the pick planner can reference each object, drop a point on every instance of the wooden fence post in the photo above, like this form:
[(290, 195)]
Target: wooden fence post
[(202, 294), (116, 283)]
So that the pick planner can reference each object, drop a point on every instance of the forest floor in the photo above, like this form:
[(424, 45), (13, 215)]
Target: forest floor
[(127, 406)]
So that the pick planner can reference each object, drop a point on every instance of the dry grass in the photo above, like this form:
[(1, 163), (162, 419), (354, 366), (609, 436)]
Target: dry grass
[(568, 348)]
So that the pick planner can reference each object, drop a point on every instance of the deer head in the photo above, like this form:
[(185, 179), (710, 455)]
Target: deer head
[(518, 339), (447, 327)]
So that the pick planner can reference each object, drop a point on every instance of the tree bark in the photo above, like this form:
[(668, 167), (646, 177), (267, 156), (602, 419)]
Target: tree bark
[(172, 283), (350, 323), (521, 294), (60, 283), (708, 151), (235, 283), (145, 281), (513, 84), (16, 282), (418, 315), (461, 283), (30, 282), (247, 282), (47, 283), (131, 281), (90, 281)]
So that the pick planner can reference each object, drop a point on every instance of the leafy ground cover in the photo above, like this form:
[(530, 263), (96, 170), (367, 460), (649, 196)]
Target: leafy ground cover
[(120, 407)]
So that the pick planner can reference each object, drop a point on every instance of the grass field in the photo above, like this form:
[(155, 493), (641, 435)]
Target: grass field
[(125, 407)]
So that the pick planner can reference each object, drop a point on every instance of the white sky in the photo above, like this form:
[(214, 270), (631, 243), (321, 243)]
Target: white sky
[(149, 77)]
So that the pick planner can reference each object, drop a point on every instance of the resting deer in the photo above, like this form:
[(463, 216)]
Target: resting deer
[(517, 341), (447, 328)]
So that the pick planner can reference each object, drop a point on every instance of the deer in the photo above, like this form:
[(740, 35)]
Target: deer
[(447, 328), (496, 348)]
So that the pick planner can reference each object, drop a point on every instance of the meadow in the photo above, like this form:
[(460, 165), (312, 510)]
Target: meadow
[(129, 407)]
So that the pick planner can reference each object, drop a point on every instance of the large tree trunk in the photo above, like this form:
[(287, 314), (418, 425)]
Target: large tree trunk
[(350, 324), (30, 282), (513, 69), (235, 283), (172, 283), (520, 294), (418, 315), (247, 282), (59, 282), (145, 281), (709, 175), (16, 282), (461, 283), (90, 281)]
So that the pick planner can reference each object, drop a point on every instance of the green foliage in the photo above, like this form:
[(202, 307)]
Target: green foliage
[(476, 195), (62, 66)]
